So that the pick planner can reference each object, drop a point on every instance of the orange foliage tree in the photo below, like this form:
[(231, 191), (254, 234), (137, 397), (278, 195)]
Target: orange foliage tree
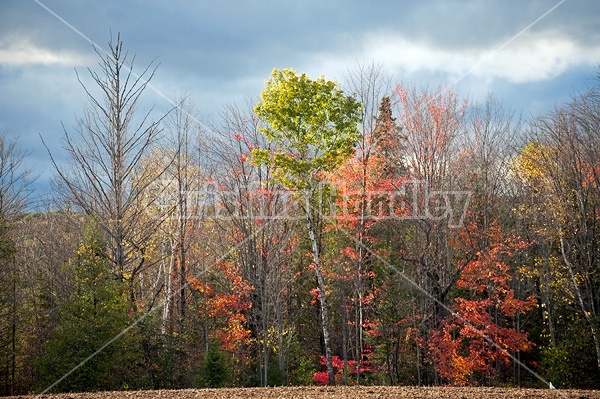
[(227, 299), (365, 185), (480, 336)]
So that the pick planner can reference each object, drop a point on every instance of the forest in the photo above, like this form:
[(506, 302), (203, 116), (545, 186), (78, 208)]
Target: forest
[(365, 232)]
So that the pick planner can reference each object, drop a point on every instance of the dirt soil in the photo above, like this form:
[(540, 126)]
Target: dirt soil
[(332, 393)]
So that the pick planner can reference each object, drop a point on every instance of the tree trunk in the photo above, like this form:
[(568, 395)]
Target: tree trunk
[(321, 283), (345, 341), (168, 294), (13, 355), (548, 298), (280, 352)]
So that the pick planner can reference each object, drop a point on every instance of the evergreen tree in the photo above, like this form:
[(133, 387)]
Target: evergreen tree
[(97, 312)]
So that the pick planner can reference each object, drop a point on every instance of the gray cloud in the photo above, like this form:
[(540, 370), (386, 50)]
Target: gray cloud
[(223, 51)]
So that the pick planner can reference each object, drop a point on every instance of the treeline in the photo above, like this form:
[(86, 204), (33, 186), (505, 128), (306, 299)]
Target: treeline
[(371, 234)]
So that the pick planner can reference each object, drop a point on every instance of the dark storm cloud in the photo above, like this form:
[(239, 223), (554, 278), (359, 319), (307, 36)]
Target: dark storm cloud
[(223, 51)]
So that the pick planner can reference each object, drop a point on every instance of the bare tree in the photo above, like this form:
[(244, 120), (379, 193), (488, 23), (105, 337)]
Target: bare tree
[(15, 182), (105, 178), (488, 149), (15, 178), (179, 188)]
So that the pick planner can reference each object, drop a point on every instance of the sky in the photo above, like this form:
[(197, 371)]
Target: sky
[(532, 55)]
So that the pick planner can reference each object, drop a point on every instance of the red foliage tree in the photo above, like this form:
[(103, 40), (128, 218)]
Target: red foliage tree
[(227, 299), (365, 184), (479, 336)]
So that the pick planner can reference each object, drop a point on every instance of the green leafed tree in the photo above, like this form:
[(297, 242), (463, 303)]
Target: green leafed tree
[(314, 128)]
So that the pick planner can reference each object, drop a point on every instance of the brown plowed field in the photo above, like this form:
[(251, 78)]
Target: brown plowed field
[(333, 393)]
